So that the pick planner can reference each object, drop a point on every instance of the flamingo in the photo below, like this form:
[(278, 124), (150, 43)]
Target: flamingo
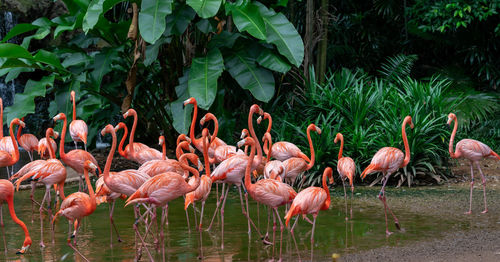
[(295, 166), (474, 151), (77, 128), (163, 188), (27, 141), (273, 169), (124, 182), (198, 142), (388, 160), (269, 192), (346, 168), (126, 152), (221, 152), (232, 170), (48, 172), (43, 147), (78, 205), (9, 159), (158, 166), (5, 142), (310, 201), (143, 153), (161, 142), (203, 190), (7, 195), (74, 158), (282, 150)]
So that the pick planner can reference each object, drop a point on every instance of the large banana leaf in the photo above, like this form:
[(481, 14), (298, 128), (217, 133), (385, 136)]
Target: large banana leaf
[(275, 62), (95, 11), (205, 8), (247, 17), (283, 34), (181, 115), (258, 80), (203, 77), (152, 18)]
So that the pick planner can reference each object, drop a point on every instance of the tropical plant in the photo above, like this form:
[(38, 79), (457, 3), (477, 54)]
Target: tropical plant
[(152, 58)]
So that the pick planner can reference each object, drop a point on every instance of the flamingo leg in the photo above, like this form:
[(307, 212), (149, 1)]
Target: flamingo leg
[(142, 241), (217, 206), (112, 221), (201, 215), (3, 230), (471, 188), (222, 216), (293, 237), (187, 219), (33, 185), (41, 218), (30, 155), (76, 250), (8, 173), (345, 199), (312, 235), (274, 232), (352, 196), (382, 198), (243, 209), (281, 230), (483, 180), (250, 220), (76, 145), (194, 212)]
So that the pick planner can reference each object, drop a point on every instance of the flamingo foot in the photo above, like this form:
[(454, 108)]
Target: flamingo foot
[(468, 212), (42, 245), (388, 233), (485, 211)]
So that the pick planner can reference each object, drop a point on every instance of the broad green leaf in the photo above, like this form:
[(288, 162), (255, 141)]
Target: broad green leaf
[(203, 77), (152, 18), (15, 62), (179, 20), (102, 66), (14, 73), (76, 5), (48, 58), (247, 17), (205, 26), (17, 30), (24, 103), (95, 11), (270, 60), (152, 51), (224, 39), (8, 50), (181, 115), (249, 76), (76, 59), (205, 8), (283, 34), (64, 23)]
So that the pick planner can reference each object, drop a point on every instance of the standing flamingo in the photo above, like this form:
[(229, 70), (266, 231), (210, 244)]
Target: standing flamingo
[(282, 150), (295, 166), (474, 151), (74, 158), (388, 160), (77, 128), (163, 188), (269, 192), (7, 195), (221, 152), (158, 166), (5, 141), (78, 205), (126, 152), (43, 147), (144, 153), (273, 169), (124, 182), (48, 172), (346, 168), (203, 190), (27, 141), (310, 201), (9, 159)]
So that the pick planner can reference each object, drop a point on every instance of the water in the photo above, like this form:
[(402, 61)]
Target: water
[(333, 234)]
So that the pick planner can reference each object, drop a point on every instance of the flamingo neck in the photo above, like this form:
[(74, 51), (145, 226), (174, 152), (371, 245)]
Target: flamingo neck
[(191, 170), (341, 146), (107, 167), (60, 188), (89, 186), (452, 138), (269, 125), (407, 146), (62, 154), (193, 123), (122, 142), (164, 151), (52, 154), (205, 156), (15, 156), (132, 133), (248, 181), (10, 202), (311, 148), (270, 147), (74, 107), (178, 150), (254, 136), (326, 174), (19, 130)]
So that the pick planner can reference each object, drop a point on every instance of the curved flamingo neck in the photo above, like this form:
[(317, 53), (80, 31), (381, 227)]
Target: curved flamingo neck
[(311, 147), (191, 170), (178, 151), (1, 118), (270, 140), (19, 130), (15, 156), (193, 123), (407, 146), (122, 141), (254, 136), (74, 106), (60, 188), (163, 151), (205, 156), (62, 154), (269, 125), (327, 173), (341, 146), (89, 185), (10, 203), (452, 138), (107, 167), (248, 182), (52, 154), (132, 133)]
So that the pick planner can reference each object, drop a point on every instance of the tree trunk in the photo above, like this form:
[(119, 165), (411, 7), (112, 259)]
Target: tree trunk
[(308, 57), (322, 52)]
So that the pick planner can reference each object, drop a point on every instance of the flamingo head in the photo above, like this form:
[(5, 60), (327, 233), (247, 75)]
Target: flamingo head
[(329, 172), (51, 133), (246, 141), (259, 120), (26, 246), (315, 128), (337, 138), (108, 129), (190, 100), (119, 126), (256, 109), (451, 117), (161, 140), (59, 117), (244, 133), (90, 166), (408, 121), (267, 136), (130, 112), (208, 116), (72, 95), (17, 121)]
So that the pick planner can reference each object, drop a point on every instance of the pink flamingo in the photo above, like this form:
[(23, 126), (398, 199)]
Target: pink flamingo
[(273, 169), (163, 188), (295, 166), (158, 166), (282, 150), (78, 205), (7, 195), (310, 201), (388, 160), (143, 153), (232, 170), (48, 172), (474, 151), (27, 141), (221, 152), (8, 159), (124, 182), (269, 192), (78, 128), (74, 158), (43, 147), (5, 142), (203, 190), (346, 168)]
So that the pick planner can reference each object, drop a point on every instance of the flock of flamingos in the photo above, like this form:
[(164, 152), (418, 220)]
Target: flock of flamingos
[(160, 180)]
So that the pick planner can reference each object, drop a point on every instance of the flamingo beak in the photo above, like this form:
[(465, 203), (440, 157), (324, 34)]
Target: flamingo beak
[(202, 121), (188, 139), (191, 149), (56, 134), (21, 123), (411, 125), (200, 166), (336, 140), (23, 250), (449, 120), (187, 101), (243, 134), (241, 143), (318, 130), (259, 120)]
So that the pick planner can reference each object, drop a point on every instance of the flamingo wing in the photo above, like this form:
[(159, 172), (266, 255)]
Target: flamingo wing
[(155, 167), (346, 168), (272, 192), (231, 169), (78, 130), (29, 142)]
